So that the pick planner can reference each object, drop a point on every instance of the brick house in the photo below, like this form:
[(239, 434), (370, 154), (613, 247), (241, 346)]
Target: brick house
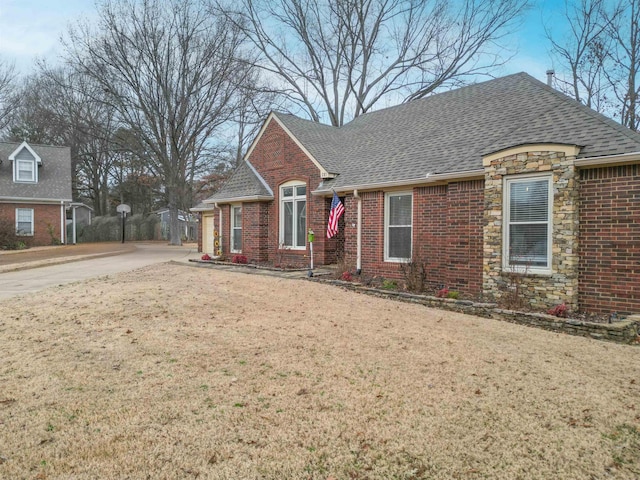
[(35, 190), (500, 179)]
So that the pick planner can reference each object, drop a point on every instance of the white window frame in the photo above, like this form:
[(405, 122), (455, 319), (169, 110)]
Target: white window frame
[(387, 212), (295, 199), (234, 248), (16, 171), (506, 208), (30, 210)]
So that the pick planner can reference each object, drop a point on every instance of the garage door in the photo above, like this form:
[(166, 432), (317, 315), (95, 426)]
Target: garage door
[(207, 234)]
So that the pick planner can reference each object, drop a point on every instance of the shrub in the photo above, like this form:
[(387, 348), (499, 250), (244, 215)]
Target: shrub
[(443, 293), (559, 310), (414, 275), (239, 259), (389, 285), (206, 257), (8, 238), (54, 240), (346, 276), (453, 294)]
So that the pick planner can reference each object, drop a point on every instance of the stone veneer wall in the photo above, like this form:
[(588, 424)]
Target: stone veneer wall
[(540, 291)]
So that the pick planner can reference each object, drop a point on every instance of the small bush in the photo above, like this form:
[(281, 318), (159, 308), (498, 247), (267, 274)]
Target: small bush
[(414, 275), (453, 294), (8, 238), (443, 293), (239, 259), (559, 310), (346, 276), (389, 285), (205, 257), (54, 240)]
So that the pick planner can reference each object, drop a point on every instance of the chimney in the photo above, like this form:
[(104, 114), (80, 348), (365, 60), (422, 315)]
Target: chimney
[(550, 74)]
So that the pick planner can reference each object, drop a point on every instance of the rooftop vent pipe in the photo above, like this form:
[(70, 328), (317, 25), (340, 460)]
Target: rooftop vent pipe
[(550, 74)]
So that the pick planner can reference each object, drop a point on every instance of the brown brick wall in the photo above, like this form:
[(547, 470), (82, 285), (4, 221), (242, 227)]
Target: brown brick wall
[(278, 159), (43, 216), (609, 240), (447, 234)]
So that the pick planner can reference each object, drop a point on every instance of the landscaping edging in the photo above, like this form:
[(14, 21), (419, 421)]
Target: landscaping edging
[(248, 265), (625, 331)]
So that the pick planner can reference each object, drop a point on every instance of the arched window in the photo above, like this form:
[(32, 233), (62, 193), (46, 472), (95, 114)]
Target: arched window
[(293, 215)]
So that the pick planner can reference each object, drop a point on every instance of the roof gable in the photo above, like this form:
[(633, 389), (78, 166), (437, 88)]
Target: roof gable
[(24, 148), (244, 184), (291, 125)]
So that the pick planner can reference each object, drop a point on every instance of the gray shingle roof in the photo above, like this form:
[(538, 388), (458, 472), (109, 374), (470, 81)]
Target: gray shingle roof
[(450, 132), (243, 183), (54, 175), (319, 139)]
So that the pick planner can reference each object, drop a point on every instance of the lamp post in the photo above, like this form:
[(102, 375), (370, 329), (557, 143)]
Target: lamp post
[(311, 238)]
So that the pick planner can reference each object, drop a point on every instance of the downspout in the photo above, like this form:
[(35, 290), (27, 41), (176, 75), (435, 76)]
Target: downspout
[(359, 233), (219, 230), (73, 223), (62, 221)]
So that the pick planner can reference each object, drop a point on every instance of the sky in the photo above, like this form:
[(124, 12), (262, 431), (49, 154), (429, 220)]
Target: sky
[(31, 29)]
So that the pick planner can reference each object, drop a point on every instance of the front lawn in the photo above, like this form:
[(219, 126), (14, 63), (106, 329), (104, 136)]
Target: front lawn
[(179, 372)]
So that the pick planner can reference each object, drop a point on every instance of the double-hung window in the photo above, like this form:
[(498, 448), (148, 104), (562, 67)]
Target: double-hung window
[(236, 228), (293, 215), (24, 221), (398, 222), (528, 211), (25, 171)]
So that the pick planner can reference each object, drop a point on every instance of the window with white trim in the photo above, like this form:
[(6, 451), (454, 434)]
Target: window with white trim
[(398, 226), (24, 221), (236, 228), (528, 210), (25, 171), (293, 215)]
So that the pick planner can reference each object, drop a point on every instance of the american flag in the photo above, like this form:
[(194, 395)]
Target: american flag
[(337, 209)]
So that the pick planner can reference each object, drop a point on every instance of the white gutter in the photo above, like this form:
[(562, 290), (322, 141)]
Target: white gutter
[(73, 224), (251, 198), (359, 233), (52, 201), (202, 209), (427, 179), (608, 160), (63, 217)]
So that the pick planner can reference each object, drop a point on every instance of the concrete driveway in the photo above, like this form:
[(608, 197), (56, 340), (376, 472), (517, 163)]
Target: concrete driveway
[(138, 255)]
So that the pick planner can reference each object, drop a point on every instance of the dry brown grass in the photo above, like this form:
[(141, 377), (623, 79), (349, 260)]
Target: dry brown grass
[(175, 372)]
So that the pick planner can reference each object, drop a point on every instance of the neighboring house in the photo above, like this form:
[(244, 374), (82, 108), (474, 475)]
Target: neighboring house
[(187, 221), (35, 189), (499, 180)]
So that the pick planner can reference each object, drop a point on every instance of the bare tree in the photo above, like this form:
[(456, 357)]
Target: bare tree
[(169, 69), (7, 87), (59, 107), (339, 59), (602, 57), (583, 51), (624, 74)]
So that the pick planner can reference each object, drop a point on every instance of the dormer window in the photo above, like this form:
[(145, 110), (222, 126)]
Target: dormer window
[(25, 171), (25, 164)]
